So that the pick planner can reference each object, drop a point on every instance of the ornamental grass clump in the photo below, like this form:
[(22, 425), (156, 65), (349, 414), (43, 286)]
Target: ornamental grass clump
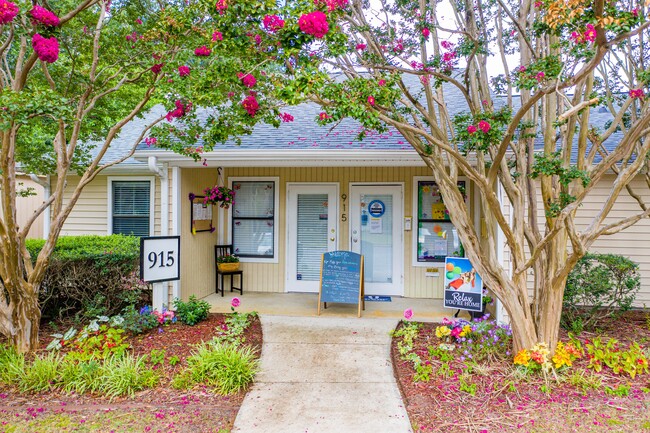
[(42, 375), (12, 365), (125, 375)]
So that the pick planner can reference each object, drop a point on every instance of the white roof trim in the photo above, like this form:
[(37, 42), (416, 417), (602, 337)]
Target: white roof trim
[(290, 158)]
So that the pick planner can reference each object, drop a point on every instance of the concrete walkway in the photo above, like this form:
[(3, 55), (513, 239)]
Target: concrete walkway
[(324, 375)]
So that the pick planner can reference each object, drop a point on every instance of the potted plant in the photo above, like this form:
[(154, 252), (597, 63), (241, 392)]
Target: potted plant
[(219, 195), (228, 263)]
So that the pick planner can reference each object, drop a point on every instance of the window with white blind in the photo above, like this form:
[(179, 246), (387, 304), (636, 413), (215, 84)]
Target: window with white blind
[(254, 232), (131, 205)]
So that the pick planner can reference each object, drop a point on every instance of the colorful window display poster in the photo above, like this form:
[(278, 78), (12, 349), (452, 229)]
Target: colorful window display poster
[(463, 286)]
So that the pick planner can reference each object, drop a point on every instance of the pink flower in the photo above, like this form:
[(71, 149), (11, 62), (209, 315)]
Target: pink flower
[(251, 105), (44, 17), (538, 4), (235, 302), (157, 68), (217, 36), (332, 4), (449, 56), (180, 110), (46, 49), (8, 11), (273, 23), (456, 331), (408, 313), (138, 21), (471, 129), (398, 48), (484, 126), (202, 51), (314, 23), (221, 6), (637, 94), (247, 80), (590, 33), (426, 32), (576, 37), (150, 141), (381, 83), (183, 71), (446, 45), (371, 100), (286, 117), (540, 76), (522, 68), (361, 47), (257, 39), (324, 116)]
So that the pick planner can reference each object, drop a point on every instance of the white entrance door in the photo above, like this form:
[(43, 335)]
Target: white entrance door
[(376, 232), (312, 230)]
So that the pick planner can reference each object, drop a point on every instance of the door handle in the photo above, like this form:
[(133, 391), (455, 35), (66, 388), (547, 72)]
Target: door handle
[(355, 240), (332, 239)]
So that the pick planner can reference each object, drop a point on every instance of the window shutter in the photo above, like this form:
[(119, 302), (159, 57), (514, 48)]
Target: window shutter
[(131, 207)]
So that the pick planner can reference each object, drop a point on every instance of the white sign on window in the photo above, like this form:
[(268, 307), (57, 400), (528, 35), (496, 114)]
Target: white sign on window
[(160, 258)]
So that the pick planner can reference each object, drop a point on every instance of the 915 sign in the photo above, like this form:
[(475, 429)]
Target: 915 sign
[(160, 258)]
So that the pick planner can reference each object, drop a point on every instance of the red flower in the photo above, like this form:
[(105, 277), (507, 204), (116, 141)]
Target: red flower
[(426, 32), (314, 24), (217, 36), (8, 11), (44, 17), (138, 21), (324, 116), (202, 51), (361, 47), (484, 126), (157, 68), (46, 49), (247, 80), (471, 129), (381, 83), (273, 23), (371, 100), (183, 71), (637, 94), (251, 105)]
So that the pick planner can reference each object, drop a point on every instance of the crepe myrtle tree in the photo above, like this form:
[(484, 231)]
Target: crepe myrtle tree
[(525, 133), (74, 73)]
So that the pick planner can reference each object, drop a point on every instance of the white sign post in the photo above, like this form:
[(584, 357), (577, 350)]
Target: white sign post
[(160, 261)]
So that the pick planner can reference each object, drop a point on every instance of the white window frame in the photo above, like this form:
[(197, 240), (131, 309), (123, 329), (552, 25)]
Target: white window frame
[(276, 217), (416, 213), (152, 199)]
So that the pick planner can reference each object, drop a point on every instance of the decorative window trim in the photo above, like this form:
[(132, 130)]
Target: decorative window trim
[(276, 217), (152, 199), (416, 213)]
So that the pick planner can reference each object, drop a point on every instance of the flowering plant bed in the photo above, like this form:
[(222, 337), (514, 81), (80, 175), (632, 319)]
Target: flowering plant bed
[(455, 379), (167, 349)]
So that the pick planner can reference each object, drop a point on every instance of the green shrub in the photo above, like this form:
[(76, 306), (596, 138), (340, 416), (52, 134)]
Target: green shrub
[(191, 312), (600, 285), (222, 366), (138, 321), (125, 375), (90, 275), (12, 365), (42, 375)]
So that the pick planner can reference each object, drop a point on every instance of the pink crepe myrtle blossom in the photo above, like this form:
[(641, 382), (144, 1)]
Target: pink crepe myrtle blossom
[(484, 126), (47, 49), (221, 6), (217, 36), (8, 11), (332, 4), (314, 23), (471, 129), (202, 51), (371, 100), (637, 94), (138, 21), (408, 313), (150, 141), (180, 110), (398, 47), (538, 4), (272, 23), (257, 39), (361, 47), (157, 68), (576, 37), (247, 80), (286, 117), (540, 76), (381, 83), (446, 45), (590, 33), (251, 105), (184, 71), (426, 32), (324, 116), (44, 16)]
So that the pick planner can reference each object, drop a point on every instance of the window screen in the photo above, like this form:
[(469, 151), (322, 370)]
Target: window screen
[(253, 219), (437, 236), (131, 207)]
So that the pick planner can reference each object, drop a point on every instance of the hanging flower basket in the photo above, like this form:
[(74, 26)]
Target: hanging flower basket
[(219, 195)]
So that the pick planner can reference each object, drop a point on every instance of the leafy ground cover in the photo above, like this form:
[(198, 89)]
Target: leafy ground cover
[(469, 382), (162, 408)]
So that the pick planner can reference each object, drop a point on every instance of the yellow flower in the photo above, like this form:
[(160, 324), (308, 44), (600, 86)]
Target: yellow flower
[(522, 358), (442, 331), (466, 331)]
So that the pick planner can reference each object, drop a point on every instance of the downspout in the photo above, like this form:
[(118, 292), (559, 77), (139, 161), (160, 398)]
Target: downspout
[(45, 183)]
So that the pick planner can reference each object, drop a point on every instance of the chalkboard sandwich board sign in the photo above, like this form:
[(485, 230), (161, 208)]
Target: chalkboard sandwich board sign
[(341, 279)]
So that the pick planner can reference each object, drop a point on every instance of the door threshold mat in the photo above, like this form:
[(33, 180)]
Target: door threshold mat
[(377, 298)]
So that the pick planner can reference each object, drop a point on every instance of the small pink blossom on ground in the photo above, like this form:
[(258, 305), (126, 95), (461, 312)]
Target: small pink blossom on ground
[(47, 49), (471, 129), (183, 71), (202, 51), (408, 313), (484, 126), (314, 23), (247, 80), (273, 23), (44, 16), (217, 36), (251, 105), (8, 11), (235, 302)]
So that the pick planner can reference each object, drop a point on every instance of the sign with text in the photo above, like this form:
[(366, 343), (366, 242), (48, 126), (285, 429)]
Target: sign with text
[(463, 286), (160, 258), (341, 279)]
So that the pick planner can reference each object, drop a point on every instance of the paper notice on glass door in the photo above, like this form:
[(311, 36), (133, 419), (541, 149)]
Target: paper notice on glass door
[(376, 226)]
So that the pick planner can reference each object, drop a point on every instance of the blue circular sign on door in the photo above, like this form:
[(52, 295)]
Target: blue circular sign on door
[(376, 208)]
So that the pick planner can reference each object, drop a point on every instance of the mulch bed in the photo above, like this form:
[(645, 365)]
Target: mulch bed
[(162, 408), (507, 402)]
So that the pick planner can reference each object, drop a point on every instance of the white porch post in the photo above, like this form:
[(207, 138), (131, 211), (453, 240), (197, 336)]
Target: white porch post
[(176, 221)]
